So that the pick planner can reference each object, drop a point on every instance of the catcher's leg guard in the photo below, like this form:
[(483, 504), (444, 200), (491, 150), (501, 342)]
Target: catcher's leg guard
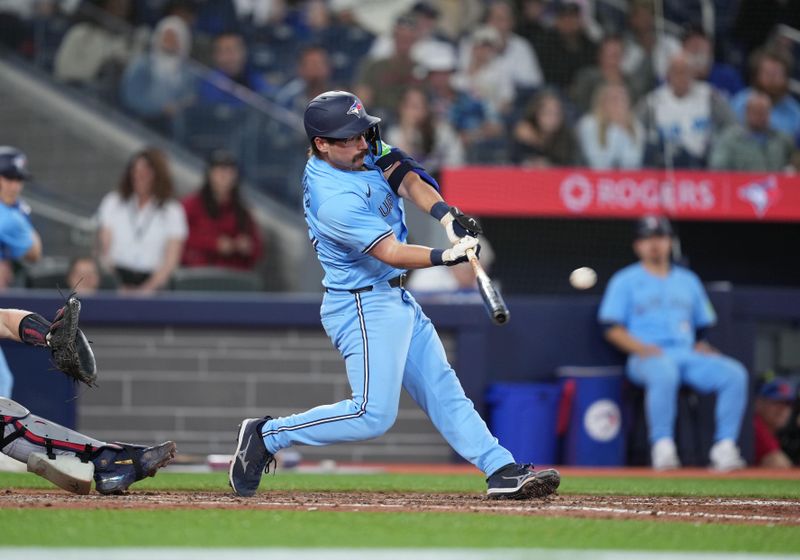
[(58, 454)]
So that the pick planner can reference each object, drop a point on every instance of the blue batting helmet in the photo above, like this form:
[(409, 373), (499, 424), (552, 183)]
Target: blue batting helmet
[(13, 163), (337, 114)]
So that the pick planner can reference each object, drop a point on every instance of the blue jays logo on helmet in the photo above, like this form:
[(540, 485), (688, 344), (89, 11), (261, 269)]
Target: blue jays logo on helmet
[(356, 108), (337, 114)]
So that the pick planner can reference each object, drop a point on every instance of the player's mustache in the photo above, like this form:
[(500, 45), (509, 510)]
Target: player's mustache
[(362, 154)]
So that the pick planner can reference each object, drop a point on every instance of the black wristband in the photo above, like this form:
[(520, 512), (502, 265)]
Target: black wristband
[(436, 257), (439, 210), (33, 330)]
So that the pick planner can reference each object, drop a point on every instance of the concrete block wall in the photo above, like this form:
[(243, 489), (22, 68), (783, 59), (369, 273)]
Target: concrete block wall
[(194, 385)]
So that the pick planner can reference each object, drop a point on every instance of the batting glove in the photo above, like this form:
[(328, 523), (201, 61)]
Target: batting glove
[(457, 253), (455, 222)]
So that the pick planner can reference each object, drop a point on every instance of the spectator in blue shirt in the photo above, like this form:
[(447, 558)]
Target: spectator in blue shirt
[(230, 72), (313, 77), (770, 75)]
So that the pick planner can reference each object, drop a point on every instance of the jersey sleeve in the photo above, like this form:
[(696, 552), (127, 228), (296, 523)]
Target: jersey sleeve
[(16, 235), (703, 314), (347, 219), (615, 304)]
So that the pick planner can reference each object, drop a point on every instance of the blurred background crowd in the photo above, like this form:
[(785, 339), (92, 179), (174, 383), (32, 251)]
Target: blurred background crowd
[(604, 84)]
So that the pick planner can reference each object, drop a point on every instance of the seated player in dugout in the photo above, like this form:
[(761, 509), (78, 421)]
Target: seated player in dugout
[(67, 458), (355, 187), (658, 313)]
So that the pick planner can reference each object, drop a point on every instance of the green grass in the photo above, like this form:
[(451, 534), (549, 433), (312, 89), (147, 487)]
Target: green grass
[(258, 528), (661, 486), (218, 528)]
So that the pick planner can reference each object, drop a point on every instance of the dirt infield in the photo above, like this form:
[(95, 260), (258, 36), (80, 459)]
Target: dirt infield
[(696, 510)]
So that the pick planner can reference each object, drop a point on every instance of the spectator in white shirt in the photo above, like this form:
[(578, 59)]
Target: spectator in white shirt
[(682, 116), (515, 52), (611, 137), (142, 226), (487, 78)]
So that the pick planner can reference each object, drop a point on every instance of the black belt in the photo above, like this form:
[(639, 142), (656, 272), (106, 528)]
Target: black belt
[(396, 282)]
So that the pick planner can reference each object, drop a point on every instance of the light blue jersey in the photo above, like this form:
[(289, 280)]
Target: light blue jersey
[(348, 213), (661, 311), (666, 311), (16, 233), (382, 333)]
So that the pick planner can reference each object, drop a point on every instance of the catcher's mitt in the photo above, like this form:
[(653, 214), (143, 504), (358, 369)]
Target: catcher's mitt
[(71, 351)]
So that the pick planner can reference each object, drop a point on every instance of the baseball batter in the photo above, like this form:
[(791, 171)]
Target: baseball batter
[(354, 188)]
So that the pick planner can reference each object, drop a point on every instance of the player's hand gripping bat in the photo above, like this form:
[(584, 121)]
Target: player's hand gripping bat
[(495, 306)]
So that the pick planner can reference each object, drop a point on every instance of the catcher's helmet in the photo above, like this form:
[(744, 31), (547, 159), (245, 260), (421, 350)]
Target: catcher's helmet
[(13, 163), (338, 114)]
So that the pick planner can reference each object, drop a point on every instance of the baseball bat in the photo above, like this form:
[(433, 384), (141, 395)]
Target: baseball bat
[(495, 306)]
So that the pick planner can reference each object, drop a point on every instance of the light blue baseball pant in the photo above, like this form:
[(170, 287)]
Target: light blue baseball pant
[(6, 377), (388, 343), (662, 376)]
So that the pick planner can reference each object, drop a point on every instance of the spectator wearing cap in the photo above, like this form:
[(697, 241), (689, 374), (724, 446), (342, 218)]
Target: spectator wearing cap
[(700, 52), (770, 71), (684, 115), (753, 145), (607, 70), (158, 84), (659, 314), (222, 231), (142, 227), (515, 53), (772, 412), (565, 48), (381, 82), (487, 78), (476, 124)]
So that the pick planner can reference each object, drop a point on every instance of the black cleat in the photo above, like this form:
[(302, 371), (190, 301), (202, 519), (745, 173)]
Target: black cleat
[(519, 482), (115, 469), (251, 458)]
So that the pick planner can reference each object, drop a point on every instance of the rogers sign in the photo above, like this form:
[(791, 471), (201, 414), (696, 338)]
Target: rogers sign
[(580, 192)]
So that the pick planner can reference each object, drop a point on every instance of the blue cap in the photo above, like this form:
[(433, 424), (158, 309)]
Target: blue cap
[(13, 163), (779, 389), (651, 226)]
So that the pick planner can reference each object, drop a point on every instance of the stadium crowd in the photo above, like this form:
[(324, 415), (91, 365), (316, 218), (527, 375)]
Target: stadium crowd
[(532, 82)]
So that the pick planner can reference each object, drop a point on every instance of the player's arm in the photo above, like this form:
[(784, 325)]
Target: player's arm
[(400, 255), (34, 253), (9, 323), (410, 181), (620, 337)]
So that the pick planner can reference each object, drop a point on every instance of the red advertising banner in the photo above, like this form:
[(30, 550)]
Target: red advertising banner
[(576, 193)]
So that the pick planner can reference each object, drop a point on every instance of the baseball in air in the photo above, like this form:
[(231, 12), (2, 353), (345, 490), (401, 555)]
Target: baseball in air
[(583, 278)]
